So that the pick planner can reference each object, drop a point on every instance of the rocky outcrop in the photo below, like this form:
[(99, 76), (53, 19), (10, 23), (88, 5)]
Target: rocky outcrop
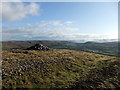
[(39, 47)]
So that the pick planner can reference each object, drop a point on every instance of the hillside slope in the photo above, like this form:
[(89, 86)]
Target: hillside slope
[(59, 69), (109, 48)]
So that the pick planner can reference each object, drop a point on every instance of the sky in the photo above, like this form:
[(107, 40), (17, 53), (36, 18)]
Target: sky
[(59, 20)]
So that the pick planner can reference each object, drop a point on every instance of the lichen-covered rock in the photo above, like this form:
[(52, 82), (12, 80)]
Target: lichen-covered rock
[(38, 47)]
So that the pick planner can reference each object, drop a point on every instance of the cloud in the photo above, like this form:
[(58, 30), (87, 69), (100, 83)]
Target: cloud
[(42, 25), (12, 0), (35, 32), (88, 37), (55, 23), (50, 23), (68, 22), (16, 11)]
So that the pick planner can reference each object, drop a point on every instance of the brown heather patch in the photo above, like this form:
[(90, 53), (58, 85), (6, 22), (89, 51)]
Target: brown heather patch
[(59, 69)]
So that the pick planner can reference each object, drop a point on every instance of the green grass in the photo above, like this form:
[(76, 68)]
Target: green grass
[(59, 69)]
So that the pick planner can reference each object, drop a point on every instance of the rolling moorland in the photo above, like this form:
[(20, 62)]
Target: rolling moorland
[(58, 67), (109, 48)]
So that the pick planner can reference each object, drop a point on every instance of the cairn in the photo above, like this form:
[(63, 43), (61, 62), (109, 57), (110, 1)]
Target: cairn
[(39, 47)]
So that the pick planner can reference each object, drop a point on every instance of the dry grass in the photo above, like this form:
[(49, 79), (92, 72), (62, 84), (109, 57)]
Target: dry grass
[(59, 69)]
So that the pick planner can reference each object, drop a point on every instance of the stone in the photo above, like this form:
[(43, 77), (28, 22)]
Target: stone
[(39, 47)]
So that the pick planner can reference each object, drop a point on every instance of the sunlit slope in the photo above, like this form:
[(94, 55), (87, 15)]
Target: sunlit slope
[(59, 69)]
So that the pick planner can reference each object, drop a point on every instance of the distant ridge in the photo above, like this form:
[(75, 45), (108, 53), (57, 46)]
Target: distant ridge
[(109, 48)]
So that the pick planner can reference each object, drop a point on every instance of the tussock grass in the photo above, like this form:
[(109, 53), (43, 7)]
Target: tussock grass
[(59, 69)]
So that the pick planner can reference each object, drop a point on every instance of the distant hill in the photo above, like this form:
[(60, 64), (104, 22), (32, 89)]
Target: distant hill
[(110, 48), (59, 69), (8, 45)]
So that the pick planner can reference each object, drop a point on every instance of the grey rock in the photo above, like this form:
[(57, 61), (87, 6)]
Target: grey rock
[(39, 47)]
